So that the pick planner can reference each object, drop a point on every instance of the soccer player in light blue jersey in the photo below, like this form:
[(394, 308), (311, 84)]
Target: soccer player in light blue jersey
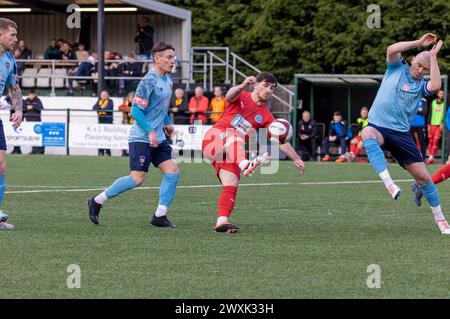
[(392, 111), (8, 73), (147, 140)]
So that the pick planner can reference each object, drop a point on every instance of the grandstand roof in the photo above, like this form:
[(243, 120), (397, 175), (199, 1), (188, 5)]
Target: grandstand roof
[(344, 79), (60, 6), (341, 79), (161, 8)]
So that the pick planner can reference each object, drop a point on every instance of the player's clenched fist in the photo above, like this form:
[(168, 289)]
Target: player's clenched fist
[(248, 81), (436, 48), (427, 39)]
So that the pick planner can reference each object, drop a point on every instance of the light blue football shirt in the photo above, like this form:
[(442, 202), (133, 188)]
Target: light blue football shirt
[(7, 71), (397, 98), (153, 98)]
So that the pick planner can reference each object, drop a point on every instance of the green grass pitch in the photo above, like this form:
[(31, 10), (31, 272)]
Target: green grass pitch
[(297, 240)]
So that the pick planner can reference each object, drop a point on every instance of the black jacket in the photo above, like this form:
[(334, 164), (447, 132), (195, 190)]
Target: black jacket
[(134, 68), (33, 115), (307, 128), (145, 39)]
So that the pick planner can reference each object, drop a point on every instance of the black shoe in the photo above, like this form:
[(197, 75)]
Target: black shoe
[(226, 227), (162, 222), (70, 93), (94, 209)]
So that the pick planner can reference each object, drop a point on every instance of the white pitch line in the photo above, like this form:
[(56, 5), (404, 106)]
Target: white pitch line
[(204, 186)]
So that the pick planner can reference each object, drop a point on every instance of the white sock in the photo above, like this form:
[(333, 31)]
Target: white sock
[(221, 219), (161, 211), (386, 178), (243, 164), (437, 211), (101, 198)]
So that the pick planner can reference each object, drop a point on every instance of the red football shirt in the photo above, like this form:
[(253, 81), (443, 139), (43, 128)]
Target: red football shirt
[(244, 115)]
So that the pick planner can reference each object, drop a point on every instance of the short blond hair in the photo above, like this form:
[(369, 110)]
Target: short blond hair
[(6, 24)]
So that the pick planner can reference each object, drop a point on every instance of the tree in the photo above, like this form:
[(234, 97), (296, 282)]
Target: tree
[(316, 36)]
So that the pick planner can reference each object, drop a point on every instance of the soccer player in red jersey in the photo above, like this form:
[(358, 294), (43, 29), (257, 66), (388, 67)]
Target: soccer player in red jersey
[(224, 143)]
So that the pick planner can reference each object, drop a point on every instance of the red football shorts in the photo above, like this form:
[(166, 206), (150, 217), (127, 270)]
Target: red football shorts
[(213, 148)]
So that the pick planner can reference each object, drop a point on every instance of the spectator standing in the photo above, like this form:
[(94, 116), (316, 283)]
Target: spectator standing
[(436, 125), (337, 134), (104, 107), (178, 108), (125, 108), (217, 105), (32, 109), (144, 37), (307, 134), (198, 105)]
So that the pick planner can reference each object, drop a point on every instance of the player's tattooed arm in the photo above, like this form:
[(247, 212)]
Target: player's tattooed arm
[(17, 103), (234, 92), (16, 97)]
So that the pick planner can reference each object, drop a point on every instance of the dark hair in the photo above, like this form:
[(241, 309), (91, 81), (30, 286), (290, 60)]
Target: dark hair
[(266, 76), (337, 113), (32, 92), (161, 46), (6, 23)]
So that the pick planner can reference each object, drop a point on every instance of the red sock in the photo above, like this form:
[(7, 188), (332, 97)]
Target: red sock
[(356, 151), (442, 174), (226, 201), (352, 147)]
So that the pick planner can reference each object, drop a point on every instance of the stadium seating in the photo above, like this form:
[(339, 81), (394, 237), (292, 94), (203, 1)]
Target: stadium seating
[(28, 78), (43, 80), (59, 80)]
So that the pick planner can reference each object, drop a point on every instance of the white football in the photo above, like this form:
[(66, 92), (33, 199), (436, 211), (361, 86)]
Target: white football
[(280, 131)]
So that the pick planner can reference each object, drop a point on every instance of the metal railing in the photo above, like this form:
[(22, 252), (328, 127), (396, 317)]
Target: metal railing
[(54, 64), (212, 60)]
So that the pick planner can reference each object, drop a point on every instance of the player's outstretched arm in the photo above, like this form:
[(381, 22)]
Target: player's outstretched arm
[(287, 149), (394, 51), (234, 92), (435, 74), (17, 104)]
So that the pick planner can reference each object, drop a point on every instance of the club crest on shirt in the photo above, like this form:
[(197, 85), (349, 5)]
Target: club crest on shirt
[(7, 65), (406, 87), (258, 118)]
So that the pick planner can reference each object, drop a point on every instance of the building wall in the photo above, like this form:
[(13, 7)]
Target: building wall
[(120, 30)]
